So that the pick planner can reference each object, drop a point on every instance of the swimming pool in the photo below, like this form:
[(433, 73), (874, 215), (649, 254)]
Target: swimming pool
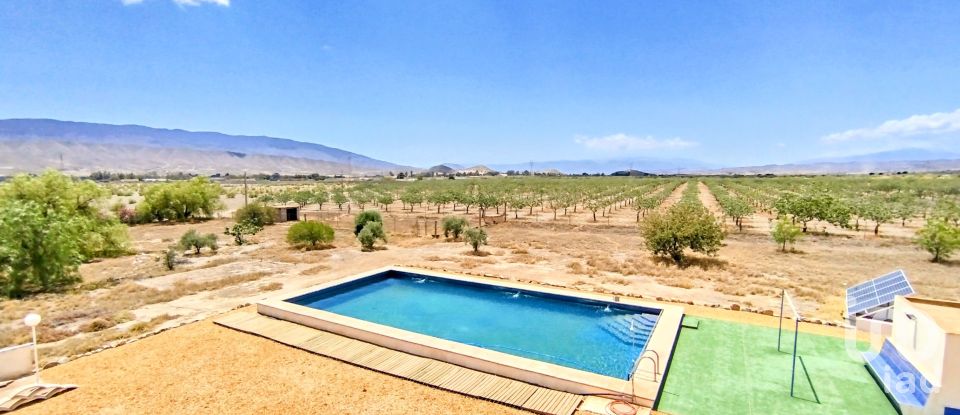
[(573, 341), (581, 334)]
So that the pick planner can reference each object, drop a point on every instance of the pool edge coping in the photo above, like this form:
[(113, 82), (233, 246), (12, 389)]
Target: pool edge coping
[(555, 376)]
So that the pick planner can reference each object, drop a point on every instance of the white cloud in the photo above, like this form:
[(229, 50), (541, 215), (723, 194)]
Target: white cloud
[(925, 124), (628, 143)]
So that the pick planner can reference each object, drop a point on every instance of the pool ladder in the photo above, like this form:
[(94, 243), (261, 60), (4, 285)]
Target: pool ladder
[(656, 370)]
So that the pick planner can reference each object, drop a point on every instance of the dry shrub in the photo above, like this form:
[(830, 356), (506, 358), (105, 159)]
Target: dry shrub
[(519, 251), (616, 280), (525, 259), (223, 260), (472, 263), (273, 286), (144, 326), (676, 281), (20, 335), (83, 344), (98, 324), (315, 269)]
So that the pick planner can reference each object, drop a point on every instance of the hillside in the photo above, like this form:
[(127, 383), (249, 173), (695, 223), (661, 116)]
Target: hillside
[(30, 145)]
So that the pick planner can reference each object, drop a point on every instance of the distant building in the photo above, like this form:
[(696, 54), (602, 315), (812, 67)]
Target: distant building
[(286, 213)]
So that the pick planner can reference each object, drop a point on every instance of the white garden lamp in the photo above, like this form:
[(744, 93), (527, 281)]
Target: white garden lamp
[(32, 320)]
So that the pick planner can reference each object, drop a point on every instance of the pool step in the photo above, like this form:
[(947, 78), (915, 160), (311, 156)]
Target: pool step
[(629, 328)]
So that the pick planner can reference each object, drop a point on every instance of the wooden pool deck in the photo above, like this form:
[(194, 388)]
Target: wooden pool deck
[(419, 369)]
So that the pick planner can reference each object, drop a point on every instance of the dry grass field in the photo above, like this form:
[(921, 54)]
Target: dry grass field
[(135, 295)]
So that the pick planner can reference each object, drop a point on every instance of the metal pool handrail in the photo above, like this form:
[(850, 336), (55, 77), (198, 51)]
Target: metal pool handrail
[(656, 370)]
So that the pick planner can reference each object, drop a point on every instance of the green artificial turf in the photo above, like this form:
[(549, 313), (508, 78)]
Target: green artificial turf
[(731, 368)]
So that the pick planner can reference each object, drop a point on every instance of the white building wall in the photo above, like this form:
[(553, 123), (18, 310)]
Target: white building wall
[(927, 351)]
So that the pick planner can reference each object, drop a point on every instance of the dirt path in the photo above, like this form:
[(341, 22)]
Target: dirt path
[(709, 201), (674, 197)]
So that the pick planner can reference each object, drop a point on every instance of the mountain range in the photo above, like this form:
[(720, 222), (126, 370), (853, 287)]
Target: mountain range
[(32, 145)]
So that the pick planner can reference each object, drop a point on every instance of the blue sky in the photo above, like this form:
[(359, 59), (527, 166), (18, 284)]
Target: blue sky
[(420, 83)]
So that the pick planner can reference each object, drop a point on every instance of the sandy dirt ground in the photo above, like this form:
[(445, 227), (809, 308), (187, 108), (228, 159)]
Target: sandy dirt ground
[(134, 295), (202, 368)]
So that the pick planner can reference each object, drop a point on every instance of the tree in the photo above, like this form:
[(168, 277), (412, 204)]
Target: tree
[(169, 258), (100, 235), (784, 232), (453, 225), (361, 197), (595, 203), (197, 197), (814, 205), (257, 214), (412, 196), (240, 230), (194, 240), (939, 238), (684, 225), (905, 209), (737, 209), (518, 202), (310, 233), (877, 211), (363, 218), (484, 201), (385, 199), (368, 236), (39, 250), (302, 198), (339, 198), (476, 237), (439, 198), (320, 196)]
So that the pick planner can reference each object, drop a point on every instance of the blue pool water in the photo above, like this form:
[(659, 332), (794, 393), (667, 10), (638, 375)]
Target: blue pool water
[(593, 336)]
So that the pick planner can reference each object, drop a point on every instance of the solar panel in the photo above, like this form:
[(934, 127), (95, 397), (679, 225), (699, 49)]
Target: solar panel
[(879, 291)]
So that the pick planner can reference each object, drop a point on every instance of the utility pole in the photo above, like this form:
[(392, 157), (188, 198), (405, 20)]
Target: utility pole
[(244, 189)]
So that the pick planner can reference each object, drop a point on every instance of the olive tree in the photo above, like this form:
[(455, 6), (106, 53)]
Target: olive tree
[(365, 217), (454, 225), (194, 240), (476, 237), (368, 236)]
